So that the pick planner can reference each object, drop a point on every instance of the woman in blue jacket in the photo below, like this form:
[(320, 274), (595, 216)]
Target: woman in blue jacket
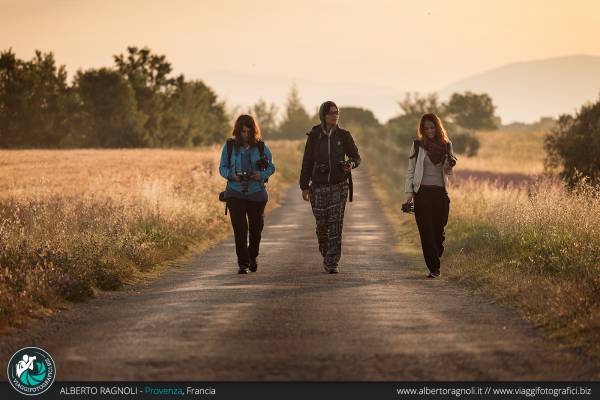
[(246, 163)]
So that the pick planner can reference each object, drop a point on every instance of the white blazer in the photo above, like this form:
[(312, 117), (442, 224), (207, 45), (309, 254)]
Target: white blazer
[(414, 173)]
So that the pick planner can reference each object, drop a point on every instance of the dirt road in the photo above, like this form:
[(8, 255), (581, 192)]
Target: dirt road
[(379, 319)]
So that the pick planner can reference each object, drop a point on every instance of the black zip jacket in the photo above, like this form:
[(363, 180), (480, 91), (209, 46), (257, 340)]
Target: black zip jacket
[(322, 150)]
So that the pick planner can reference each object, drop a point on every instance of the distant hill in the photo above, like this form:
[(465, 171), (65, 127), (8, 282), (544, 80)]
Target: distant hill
[(526, 91)]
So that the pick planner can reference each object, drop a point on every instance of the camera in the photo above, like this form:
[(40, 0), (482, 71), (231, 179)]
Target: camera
[(451, 159), (408, 207), (347, 163), (244, 178), (323, 168)]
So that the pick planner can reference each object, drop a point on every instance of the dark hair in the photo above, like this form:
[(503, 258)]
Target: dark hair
[(249, 122), (441, 134), (324, 109)]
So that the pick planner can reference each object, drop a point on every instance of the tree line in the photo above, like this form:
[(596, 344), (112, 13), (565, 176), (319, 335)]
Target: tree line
[(137, 102)]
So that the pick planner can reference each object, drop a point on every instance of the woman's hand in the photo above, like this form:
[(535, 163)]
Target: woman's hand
[(409, 197), (447, 166), (255, 176), (306, 194), (236, 178)]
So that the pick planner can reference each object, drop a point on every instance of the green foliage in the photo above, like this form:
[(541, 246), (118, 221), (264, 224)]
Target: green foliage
[(296, 121), (403, 128), (574, 144), (109, 115), (359, 116), (34, 101), (472, 111), (465, 143), (193, 116), (266, 117), (137, 105)]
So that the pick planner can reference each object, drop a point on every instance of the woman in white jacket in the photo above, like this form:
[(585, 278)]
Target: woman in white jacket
[(427, 183)]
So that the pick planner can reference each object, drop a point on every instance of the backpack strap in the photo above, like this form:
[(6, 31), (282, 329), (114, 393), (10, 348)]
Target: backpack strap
[(350, 183), (230, 143), (261, 148), (416, 145)]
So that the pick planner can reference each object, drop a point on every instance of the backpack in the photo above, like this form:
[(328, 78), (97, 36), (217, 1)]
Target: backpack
[(230, 142), (261, 150)]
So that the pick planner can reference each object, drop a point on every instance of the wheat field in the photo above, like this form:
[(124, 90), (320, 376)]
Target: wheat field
[(507, 153), (75, 221)]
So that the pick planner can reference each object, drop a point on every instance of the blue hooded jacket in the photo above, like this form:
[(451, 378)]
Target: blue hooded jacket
[(237, 154)]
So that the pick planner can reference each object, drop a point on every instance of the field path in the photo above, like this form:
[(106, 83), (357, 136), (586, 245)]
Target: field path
[(379, 319)]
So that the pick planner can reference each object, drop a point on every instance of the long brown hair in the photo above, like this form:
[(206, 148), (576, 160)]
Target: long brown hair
[(249, 122), (441, 136)]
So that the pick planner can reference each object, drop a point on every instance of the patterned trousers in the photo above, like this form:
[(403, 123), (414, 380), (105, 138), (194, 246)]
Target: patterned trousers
[(328, 203)]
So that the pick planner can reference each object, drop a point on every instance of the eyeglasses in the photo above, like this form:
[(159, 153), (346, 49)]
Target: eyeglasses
[(337, 112)]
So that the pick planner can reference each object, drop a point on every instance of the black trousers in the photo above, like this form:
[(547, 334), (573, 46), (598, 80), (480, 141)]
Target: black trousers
[(246, 217), (432, 205)]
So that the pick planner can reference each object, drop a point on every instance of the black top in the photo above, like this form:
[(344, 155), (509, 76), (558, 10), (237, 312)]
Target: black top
[(323, 154)]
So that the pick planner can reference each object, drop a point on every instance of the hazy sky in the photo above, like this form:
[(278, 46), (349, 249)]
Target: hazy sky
[(402, 45)]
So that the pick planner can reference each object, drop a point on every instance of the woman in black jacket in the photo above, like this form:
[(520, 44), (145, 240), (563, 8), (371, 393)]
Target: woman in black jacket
[(325, 180)]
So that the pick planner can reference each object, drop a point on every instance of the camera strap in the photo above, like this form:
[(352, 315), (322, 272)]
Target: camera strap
[(229, 147)]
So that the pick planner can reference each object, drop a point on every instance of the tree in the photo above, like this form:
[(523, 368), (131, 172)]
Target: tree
[(193, 116), (148, 75), (34, 99), (574, 144), (403, 127), (109, 110), (465, 143), (358, 116), (472, 111), (296, 121), (266, 117)]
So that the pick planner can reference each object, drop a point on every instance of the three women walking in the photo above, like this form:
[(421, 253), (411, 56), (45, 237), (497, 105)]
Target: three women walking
[(330, 154)]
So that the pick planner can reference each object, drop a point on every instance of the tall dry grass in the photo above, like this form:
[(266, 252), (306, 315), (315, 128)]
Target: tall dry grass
[(507, 153), (533, 247), (75, 221), (538, 247)]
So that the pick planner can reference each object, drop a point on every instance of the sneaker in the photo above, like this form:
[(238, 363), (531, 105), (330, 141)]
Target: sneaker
[(253, 265), (243, 270), (333, 270), (433, 275)]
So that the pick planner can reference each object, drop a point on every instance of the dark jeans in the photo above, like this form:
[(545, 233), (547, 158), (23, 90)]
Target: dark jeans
[(246, 217), (432, 205)]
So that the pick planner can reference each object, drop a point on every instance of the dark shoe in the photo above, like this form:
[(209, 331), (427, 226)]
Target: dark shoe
[(434, 275), (243, 270), (253, 265), (331, 269)]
